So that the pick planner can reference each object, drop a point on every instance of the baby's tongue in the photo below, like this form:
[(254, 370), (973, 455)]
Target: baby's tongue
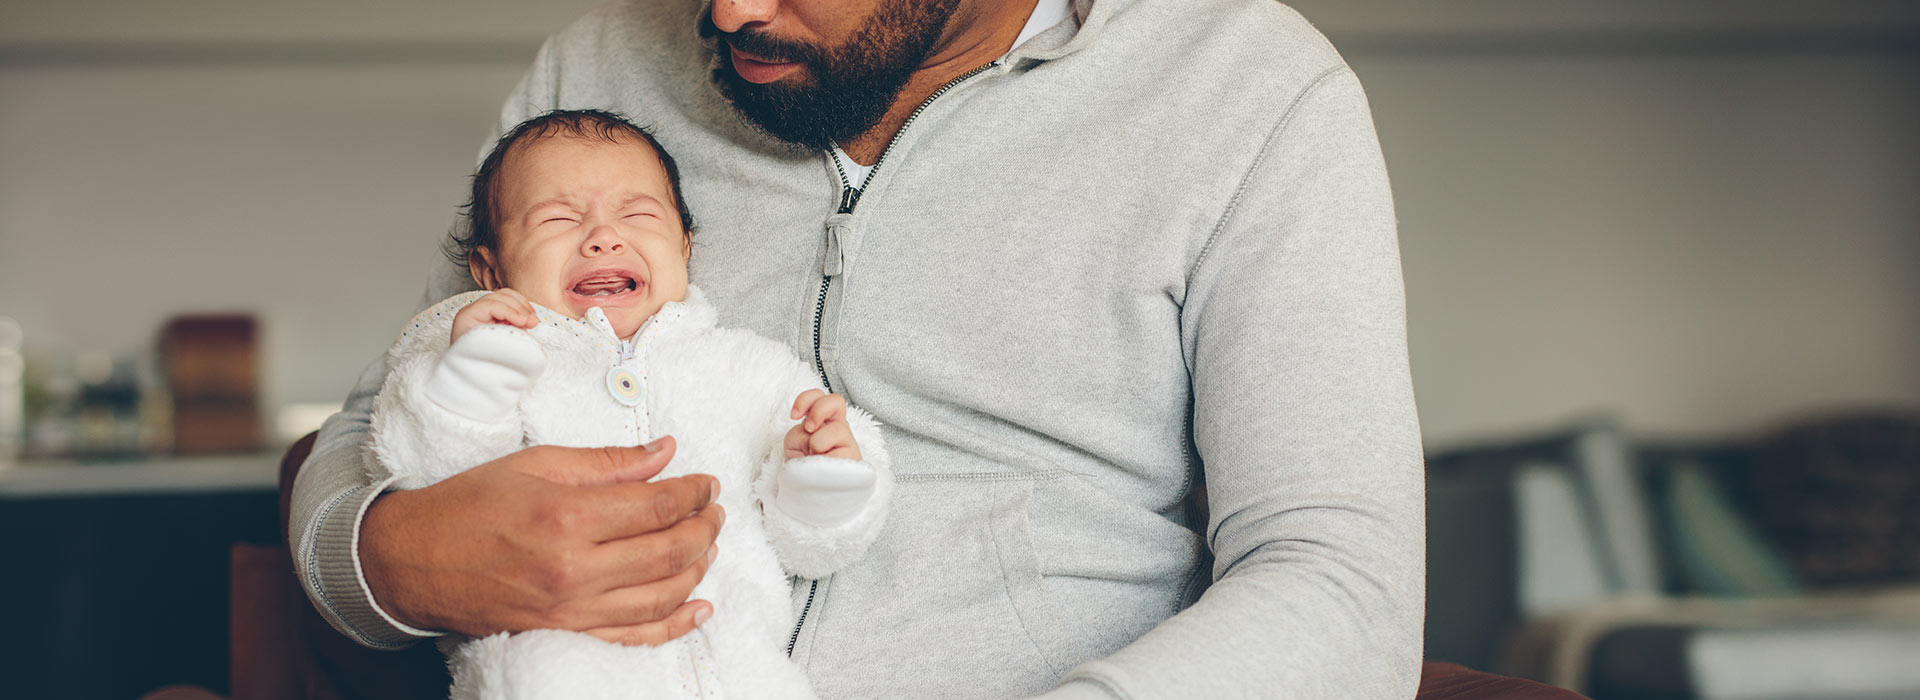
[(608, 284)]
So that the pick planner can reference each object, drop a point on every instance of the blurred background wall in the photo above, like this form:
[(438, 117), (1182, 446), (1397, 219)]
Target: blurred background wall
[(1695, 216), (293, 160)]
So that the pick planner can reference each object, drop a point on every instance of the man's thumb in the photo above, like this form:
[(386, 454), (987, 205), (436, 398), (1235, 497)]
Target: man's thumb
[(634, 464)]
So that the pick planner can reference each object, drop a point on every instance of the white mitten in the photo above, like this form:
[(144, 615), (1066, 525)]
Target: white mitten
[(823, 491), (484, 374)]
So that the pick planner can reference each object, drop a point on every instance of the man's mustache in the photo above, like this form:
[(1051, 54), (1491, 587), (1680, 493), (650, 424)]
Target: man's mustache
[(762, 45)]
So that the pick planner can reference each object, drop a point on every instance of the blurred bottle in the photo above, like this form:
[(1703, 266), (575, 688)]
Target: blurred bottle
[(90, 404), (156, 405), (52, 403), (13, 392), (107, 415)]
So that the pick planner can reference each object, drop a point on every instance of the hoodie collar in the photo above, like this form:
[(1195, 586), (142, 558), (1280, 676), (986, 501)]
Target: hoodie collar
[(1087, 17)]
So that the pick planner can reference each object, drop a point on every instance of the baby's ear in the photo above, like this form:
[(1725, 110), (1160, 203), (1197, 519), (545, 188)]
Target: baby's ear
[(485, 270)]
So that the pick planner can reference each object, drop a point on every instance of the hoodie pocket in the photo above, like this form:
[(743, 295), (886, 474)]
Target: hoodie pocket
[(1020, 569), (940, 606)]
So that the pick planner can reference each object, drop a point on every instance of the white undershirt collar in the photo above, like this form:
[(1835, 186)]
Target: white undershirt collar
[(1046, 13)]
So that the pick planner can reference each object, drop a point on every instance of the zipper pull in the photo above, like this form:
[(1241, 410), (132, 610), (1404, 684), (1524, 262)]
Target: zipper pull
[(849, 197), (838, 225)]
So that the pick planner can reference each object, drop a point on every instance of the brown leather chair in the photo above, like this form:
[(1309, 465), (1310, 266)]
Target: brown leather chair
[(282, 649)]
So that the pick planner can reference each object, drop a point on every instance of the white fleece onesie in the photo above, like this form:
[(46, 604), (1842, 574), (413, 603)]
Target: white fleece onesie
[(725, 395)]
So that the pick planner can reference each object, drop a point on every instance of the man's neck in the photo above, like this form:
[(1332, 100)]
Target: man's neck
[(979, 34)]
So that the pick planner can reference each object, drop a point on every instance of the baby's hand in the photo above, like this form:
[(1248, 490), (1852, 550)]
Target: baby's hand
[(823, 428), (504, 306)]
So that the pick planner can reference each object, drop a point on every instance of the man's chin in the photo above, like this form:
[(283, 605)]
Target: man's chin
[(794, 109)]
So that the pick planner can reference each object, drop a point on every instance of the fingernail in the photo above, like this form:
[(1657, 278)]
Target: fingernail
[(713, 553), (700, 616), (653, 446)]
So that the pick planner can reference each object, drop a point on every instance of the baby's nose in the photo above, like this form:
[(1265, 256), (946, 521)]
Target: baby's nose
[(603, 240)]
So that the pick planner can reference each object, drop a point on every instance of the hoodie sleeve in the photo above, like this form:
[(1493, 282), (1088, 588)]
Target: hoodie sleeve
[(1294, 328), (807, 550)]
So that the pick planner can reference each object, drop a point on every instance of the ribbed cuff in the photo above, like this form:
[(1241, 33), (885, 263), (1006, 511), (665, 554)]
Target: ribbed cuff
[(334, 564)]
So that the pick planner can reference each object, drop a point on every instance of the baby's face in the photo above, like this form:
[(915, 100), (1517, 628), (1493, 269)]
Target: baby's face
[(586, 223)]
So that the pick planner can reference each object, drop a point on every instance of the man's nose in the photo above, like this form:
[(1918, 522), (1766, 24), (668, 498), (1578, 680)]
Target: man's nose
[(730, 15), (602, 240)]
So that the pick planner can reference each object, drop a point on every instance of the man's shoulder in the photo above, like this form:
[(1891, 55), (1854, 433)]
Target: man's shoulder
[(1262, 39), (629, 27), (642, 58)]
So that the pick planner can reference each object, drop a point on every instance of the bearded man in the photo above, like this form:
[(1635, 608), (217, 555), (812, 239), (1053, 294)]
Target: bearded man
[(1085, 260)]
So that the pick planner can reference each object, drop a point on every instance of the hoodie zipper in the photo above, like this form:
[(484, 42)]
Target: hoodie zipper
[(830, 267)]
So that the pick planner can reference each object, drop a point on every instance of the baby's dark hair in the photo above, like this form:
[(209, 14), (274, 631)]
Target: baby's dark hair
[(481, 218)]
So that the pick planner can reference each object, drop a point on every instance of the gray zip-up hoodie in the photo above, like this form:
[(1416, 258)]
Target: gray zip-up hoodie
[(1152, 246)]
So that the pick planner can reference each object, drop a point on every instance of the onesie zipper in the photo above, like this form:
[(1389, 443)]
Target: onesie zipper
[(830, 267)]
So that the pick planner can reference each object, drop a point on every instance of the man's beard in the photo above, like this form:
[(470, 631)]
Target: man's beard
[(847, 89)]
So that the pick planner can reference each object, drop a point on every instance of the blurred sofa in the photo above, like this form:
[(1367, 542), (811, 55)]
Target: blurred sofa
[(1782, 564)]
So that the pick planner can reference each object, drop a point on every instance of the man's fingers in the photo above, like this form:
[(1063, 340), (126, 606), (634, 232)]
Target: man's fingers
[(511, 544), (805, 401), (634, 464), (685, 546), (688, 616), (620, 511), (597, 466), (633, 601)]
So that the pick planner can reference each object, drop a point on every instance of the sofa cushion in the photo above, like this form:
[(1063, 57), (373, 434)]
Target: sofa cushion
[(1716, 550), (1840, 497)]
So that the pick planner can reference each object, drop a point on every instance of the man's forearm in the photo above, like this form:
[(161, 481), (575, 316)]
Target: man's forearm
[(330, 497)]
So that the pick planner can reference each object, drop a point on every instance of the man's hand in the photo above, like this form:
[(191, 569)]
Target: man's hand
[(506, 307), (548, 538), (822, 429)]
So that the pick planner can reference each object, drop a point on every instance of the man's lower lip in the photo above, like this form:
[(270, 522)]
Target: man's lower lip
[(758, 71)]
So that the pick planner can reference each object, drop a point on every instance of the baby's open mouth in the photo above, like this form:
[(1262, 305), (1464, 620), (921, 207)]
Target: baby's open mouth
[(606, 285)]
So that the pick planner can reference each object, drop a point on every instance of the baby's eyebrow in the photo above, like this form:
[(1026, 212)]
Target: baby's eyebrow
[(630, 201), (556, 201)]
